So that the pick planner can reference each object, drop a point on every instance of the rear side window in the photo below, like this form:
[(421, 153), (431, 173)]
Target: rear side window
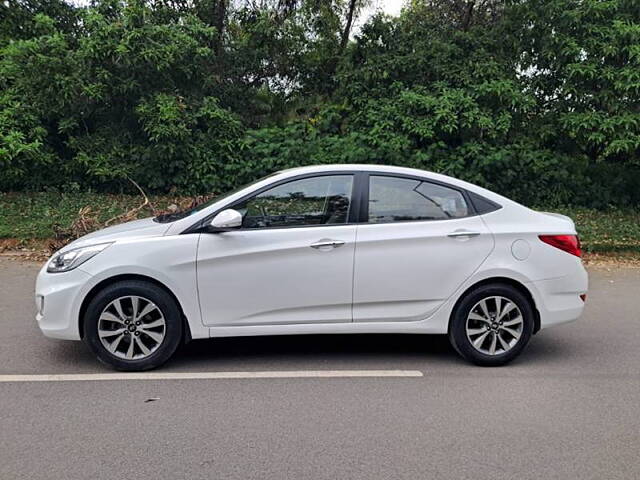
[(483, 205), (393, 199)]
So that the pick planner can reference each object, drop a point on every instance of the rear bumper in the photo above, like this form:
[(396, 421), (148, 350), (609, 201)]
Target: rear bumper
[(558, 299), (57, 301)]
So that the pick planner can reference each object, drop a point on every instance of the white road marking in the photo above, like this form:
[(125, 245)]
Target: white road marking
[(85, 377)]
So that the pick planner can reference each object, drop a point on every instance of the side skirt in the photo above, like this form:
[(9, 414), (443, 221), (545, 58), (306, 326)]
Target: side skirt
[(423, 326)]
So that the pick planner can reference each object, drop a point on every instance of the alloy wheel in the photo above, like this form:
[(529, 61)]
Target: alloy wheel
[(494, 325), (131, 327)]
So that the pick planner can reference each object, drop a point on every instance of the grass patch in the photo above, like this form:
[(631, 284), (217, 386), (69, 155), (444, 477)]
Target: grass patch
[(606, 231), (27, 216), (32, 216)]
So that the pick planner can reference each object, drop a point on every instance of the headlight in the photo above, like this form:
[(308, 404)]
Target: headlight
[(65, 261)]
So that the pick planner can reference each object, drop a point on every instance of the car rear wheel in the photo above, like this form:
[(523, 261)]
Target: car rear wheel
[(492, 324), (133, 325)]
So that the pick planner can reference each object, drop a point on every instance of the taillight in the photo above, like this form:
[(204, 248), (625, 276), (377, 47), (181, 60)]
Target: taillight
[(568, 243)]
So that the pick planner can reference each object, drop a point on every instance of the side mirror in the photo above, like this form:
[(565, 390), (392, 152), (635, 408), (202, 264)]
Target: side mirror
[(225, 220)]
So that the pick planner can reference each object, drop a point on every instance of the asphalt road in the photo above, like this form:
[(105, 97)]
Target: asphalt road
[(568, 408)]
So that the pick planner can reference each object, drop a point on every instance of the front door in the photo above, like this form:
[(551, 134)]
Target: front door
[(420, 243), (290, 263)]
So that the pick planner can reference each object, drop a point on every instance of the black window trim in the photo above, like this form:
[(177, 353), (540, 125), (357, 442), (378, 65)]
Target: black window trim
[(493, 206), (359, 207)]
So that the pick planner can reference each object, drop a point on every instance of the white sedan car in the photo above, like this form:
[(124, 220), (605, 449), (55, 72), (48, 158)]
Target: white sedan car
[(323, 249)]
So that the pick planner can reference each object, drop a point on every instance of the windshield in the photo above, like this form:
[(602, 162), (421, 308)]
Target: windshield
[(172, 217)]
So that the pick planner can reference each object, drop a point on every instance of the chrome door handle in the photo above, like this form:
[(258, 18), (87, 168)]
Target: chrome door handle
[(463, 233), (327, 243)]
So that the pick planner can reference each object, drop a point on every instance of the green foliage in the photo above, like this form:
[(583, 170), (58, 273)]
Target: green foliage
[(24, 19), (36, 215), (538, 100)]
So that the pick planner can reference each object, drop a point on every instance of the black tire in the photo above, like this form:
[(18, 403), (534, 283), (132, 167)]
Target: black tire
[(457, 326), (147, 290)]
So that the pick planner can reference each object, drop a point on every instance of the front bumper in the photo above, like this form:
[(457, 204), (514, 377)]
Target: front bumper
[(58, 300)]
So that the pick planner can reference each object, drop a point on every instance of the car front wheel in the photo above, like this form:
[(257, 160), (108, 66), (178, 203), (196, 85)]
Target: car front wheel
[(133, 325)]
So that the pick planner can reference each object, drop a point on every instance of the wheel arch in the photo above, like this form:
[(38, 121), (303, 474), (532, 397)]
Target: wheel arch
[(508, 281), (129, 276)]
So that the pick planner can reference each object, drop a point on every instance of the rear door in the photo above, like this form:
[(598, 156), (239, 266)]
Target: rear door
[(420, 242)]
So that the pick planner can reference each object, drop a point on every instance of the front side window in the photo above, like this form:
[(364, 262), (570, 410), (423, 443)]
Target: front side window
[(393, 199), (310, 201)]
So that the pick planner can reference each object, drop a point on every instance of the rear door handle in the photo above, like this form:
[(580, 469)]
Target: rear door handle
[(463, 234), (327, 243)]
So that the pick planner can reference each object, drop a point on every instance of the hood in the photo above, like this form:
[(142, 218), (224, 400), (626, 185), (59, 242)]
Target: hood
[(145, 227)]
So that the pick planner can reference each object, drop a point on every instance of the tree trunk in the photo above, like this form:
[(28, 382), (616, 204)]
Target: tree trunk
[(347, 28), (466, 22), (219, 18)]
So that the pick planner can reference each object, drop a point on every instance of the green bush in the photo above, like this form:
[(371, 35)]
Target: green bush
[(539, 101)]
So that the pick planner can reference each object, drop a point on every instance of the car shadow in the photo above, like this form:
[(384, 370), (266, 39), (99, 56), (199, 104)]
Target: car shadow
[(318, 351), (315, 352), (382, 351)]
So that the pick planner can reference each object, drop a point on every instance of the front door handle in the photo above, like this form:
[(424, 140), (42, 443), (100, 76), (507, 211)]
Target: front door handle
[(327, 243), (463, 234)]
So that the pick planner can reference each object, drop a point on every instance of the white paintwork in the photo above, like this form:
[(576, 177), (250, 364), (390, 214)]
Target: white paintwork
[(405, 271), (385, 278), (228, 218), (275, 277)]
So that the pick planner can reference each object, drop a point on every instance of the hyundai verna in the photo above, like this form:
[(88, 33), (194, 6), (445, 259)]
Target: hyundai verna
[(323, 249)]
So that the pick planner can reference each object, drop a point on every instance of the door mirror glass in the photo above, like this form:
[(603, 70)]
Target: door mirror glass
[(226, 220)]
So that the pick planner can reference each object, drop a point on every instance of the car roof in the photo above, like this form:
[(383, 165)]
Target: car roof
[(367, 168), (353, 167)]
